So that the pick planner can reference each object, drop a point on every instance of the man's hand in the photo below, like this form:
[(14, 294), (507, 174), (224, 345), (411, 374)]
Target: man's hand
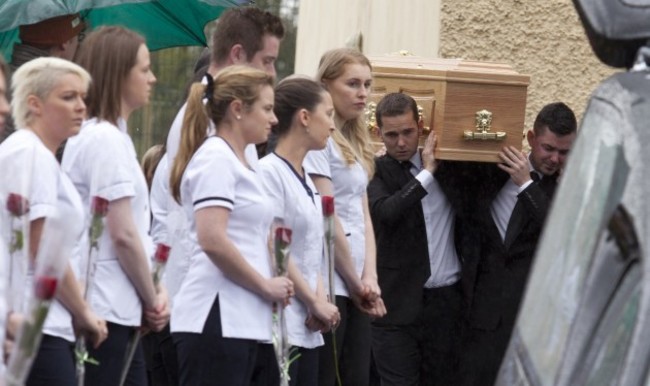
[(428, 158), (515, 163)]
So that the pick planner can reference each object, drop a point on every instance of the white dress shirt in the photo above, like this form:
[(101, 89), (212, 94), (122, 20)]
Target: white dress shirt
[(439, 223), (505, 201)]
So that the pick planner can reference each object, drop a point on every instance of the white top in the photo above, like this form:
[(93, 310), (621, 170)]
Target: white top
[(215, 177), (4, 256), (349, 183), (169, 227), (101, 161), (158, 200), (439, 224), (50, 192), (177, 225), (505, 201), (297, 202)]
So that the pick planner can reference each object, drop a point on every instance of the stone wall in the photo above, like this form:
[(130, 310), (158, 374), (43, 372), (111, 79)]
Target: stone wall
[(543, 39)]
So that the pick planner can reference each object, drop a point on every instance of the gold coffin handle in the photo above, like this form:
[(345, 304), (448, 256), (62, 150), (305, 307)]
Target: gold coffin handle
[(425, 129), (469, 135), (483, 126), (371, 119)]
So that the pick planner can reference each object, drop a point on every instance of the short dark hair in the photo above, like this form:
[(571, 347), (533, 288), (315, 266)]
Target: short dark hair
[(291, 95), (246, 26), (394, 104), (558, 118)]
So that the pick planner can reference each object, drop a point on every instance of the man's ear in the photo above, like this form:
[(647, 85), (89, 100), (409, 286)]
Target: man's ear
[(530, 137), (238, 54)]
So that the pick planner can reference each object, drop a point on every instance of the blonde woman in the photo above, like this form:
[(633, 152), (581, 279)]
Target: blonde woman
[(48, 108), (342, 170)]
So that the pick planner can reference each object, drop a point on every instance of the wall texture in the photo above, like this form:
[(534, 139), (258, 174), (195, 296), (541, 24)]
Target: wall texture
[(543, 39), (386, 26)]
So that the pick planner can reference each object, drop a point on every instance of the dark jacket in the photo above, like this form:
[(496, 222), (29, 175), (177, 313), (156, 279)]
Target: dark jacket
[(394, 196)]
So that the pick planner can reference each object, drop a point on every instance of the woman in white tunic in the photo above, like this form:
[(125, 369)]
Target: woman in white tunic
[(101, 161), (223, 308), (4, 112), (48, 108), (304, 111), (342, 170)]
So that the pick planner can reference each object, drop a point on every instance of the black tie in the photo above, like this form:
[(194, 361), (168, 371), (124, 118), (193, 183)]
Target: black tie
[(406, 165)]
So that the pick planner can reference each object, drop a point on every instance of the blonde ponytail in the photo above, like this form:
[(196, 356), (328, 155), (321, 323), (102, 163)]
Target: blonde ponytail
[(193, 133)]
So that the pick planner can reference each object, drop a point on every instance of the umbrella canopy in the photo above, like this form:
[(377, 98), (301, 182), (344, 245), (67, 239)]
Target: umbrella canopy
[(163, 23)]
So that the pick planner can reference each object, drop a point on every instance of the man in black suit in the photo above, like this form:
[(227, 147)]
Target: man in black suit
[(509, 217), (416, 343)]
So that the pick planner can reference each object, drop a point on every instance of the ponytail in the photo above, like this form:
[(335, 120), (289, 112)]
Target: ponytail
[(193, 133)]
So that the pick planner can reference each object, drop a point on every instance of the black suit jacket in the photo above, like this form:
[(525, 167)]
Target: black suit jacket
[(496, 276), (394, 196)]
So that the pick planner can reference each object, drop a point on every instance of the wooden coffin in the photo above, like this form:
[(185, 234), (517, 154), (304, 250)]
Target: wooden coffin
[(475, 108)]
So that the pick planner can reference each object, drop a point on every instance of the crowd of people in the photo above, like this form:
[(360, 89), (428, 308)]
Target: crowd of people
[(428, 274)]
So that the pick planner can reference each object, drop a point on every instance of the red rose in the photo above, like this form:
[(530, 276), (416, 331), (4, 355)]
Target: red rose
[(17, 205), (328, 205), (162, 253), (45, 287), (283, 235), (99, 206)]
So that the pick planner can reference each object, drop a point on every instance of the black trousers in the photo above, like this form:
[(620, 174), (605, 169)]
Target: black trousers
[(425, 352), (111, 354), (352, 348), (160, 357), (304, 370), (209, 359), (483, 352), (54, 364)]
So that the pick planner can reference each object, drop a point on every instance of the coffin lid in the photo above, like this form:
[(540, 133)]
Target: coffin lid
[(449, 70)]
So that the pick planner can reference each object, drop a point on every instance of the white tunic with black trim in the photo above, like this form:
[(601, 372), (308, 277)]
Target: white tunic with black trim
[(297, 202), (216, 177)]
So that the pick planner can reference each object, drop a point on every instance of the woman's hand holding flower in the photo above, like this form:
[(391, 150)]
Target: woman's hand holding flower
[(91, 327), (279, 289)]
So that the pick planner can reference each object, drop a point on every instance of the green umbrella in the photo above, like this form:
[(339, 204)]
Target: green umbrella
[(163, 23)]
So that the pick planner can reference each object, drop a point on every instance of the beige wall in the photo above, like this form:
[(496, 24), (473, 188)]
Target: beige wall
[(386, 26), (543, 39)]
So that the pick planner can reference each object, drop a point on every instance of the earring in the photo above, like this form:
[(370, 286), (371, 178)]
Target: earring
[(238, 117)]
